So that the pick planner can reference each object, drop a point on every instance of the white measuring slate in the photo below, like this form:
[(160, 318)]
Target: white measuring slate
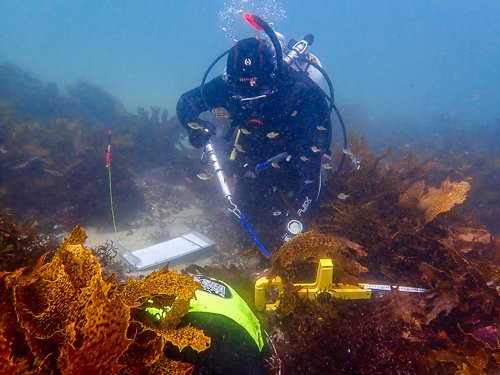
[(181, 249)]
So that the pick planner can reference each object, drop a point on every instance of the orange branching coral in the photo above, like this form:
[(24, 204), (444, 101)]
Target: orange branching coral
[(71, 320)]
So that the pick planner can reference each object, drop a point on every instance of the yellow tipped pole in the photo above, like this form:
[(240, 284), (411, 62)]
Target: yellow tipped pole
[(234, 152)]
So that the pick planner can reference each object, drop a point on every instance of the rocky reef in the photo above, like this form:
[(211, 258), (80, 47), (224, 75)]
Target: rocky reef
[(53, 154)]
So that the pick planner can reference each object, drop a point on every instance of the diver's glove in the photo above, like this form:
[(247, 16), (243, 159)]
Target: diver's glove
[(200, 137)]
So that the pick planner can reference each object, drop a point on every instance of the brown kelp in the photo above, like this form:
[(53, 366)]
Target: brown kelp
[(407, 217), (64, 317), (21, 244)]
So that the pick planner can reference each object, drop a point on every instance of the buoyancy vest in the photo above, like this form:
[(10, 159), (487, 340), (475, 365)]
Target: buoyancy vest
[(217, 297)]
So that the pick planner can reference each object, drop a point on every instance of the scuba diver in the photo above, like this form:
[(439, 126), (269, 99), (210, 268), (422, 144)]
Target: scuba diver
[(284, 131), (238, 343)]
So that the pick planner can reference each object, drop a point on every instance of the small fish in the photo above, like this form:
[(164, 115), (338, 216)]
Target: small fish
[(238, 147), (272, 135), (288, 157), (322, 128), (195, 125), (25, 164), (315, 149), (53, 173), (465, 167), (189, 180), (304, 158), (294, 113), (204, 176), (354, 159), (275, 165), (246, 132), (308, 182), (3, 148), (342, 196), (220, 112), (347, 152), (327, 166)]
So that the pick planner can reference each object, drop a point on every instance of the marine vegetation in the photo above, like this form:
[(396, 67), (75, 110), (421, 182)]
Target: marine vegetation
[(53, 150), (427, 220), (64, 317), (399, 222), (21, 245), (473, 150), (105, 253)]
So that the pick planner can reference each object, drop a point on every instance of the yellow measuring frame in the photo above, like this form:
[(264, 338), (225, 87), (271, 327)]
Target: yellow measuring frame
[(323, 284)]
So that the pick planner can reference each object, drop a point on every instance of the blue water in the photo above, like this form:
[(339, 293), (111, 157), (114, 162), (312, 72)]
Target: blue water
[(393, 63)]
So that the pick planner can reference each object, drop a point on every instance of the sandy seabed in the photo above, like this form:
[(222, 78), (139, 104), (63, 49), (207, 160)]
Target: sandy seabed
[(175, 206)]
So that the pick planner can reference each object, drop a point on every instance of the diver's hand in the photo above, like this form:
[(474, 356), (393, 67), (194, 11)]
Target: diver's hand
[(200, 137)]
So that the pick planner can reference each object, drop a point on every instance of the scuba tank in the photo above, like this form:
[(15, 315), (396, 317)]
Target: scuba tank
[(295, 54)]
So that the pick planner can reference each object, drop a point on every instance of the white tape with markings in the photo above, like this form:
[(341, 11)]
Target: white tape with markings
[(405, 289)]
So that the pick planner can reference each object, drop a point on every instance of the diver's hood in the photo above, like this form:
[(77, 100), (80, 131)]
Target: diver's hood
[(251, 69)]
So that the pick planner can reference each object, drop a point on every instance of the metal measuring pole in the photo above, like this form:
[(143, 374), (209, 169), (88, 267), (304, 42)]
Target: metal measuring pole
[(212, 157)]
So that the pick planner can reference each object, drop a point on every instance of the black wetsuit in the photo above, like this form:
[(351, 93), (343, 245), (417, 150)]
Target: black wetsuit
[(297, 113)]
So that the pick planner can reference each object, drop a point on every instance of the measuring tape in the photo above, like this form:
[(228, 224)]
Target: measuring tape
[(390, 288)]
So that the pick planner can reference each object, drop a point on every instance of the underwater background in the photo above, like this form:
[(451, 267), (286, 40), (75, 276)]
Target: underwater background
[(417, 85), (396, 63)]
